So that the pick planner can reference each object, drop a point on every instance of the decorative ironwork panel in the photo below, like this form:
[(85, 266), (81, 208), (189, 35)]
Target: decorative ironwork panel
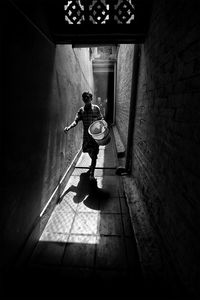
[(74, 12), (99, 11), (125, 12)]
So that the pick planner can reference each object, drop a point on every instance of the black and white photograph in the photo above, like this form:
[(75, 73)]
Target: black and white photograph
[(100, 149)]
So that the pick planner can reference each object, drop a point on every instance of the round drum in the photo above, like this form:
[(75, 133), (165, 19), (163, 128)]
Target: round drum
[(100, 132)]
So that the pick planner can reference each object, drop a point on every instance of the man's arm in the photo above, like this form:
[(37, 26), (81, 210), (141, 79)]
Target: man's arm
[(73, 124), (99, 114), (100, 117)]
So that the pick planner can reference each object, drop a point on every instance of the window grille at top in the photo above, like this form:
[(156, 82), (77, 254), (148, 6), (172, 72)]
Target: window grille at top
[(99, 11)]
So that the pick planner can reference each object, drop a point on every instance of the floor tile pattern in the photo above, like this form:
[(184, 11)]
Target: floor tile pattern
[(89, 234)]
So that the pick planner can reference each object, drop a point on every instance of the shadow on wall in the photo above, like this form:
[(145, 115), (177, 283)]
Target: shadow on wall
[(27, 66), (37, 89)]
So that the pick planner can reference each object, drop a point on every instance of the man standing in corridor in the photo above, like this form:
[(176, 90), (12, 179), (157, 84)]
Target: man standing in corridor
[(88, 114)]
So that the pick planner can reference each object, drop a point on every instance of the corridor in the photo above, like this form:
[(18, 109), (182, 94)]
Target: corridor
[(136, 229)]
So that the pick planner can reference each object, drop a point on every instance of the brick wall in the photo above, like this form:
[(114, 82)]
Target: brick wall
[(41, 87), (123, 91), (166, 160)]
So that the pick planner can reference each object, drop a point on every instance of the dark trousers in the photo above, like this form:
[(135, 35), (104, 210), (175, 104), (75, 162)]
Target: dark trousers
[(92, 148)]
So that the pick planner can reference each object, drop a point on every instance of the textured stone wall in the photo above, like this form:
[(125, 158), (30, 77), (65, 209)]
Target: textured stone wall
[(72, 74), (123, 91), (41, 91), (166, 160)]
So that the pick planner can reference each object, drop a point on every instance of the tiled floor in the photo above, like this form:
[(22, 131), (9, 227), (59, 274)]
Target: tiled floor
[(88, 244)]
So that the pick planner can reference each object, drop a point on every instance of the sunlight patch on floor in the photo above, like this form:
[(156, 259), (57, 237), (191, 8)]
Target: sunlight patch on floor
[(74, 219), (69, 226)]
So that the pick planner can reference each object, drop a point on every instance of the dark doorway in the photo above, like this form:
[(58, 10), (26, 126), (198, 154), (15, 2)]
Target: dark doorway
[(104, 90), (104, 68)]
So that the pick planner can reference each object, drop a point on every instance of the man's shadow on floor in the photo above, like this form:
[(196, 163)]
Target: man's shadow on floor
[(88, 192)]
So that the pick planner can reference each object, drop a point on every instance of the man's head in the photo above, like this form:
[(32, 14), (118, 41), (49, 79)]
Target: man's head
[(87, 97)]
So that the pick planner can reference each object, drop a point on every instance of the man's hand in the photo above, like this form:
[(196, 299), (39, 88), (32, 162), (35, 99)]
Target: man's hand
[(66, 129), (105, 123)]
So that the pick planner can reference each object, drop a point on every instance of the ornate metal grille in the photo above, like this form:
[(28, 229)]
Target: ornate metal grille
[(99, 11)]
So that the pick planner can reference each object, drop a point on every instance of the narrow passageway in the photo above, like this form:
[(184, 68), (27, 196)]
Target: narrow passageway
[(88, 244), (136, 228)]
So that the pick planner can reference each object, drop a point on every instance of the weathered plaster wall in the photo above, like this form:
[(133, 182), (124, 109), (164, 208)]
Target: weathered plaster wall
[(166, 161), (42, 87), (123, 91)]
